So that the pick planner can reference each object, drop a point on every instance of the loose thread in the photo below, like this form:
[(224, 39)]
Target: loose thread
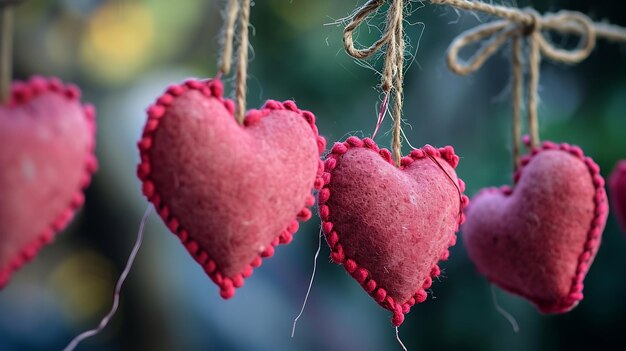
[(517, 99), (381, 114), (306, 297), (400, 341), (455, 184), (242, 61), (502, 311), (118, 287), (6, 50), (228, 32)]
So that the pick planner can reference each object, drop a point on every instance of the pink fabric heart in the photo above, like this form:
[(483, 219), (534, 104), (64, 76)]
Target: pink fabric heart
[(47, 141), (617, 187), (390, 226), (230, 192), (539, 239)]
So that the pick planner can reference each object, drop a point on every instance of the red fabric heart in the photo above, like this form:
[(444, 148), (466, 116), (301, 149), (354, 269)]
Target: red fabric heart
[(539, 239), (47, 141), (617, 186), (230, 192), (390, 226)]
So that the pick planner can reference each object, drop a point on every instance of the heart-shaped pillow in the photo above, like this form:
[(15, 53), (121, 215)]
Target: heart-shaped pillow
[(539, 239), (617, 186), (230, 192), (47, 141), (390, 226)]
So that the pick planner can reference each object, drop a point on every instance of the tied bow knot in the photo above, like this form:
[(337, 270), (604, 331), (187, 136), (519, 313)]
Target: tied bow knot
[(527, 23)]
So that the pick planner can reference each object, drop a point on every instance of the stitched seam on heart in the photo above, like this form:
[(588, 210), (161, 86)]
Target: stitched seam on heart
[(22, 93), (214, 89), (359, 273), (594, 233)]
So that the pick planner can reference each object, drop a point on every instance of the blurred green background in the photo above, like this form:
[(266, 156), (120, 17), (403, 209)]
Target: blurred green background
[(123, 53)]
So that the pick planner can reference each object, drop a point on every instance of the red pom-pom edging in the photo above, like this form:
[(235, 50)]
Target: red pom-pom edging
[(594, 233), (22, 93), (360, 274), (213, 89)]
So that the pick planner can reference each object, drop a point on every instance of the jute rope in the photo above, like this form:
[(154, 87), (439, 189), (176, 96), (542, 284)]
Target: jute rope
[(516, 25), (242, 62), (6, 48), (392, 75), (236, 8)]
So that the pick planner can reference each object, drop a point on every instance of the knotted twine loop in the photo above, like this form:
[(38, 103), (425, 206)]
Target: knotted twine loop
[(392, 76), (233, 9), (519, 24)]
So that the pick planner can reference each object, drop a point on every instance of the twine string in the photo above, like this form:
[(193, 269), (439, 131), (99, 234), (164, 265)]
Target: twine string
[(516, 25), (392, 75), (6, 48), (242, 62), (228, 32), (517, 70), (236, 9)]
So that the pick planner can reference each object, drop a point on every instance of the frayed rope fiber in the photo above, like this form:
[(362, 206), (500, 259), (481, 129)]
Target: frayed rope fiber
[(390, 226), (231, 192), (539, 239)]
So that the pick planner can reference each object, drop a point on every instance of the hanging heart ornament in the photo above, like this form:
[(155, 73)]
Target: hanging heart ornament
[(47, 144), (230, 192), (539, 238), (388, 226)]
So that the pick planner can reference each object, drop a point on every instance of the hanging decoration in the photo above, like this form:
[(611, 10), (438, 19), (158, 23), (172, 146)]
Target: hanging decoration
[(538, 238), (390, 219), (47, 144), (230, 186)]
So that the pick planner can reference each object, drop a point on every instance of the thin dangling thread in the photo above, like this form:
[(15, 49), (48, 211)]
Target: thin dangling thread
[(118, 288), (400, 341), (306, 297), (502, 311)]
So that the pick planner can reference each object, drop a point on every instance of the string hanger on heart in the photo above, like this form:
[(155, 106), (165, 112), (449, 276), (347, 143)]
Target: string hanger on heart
[(6, 47), (236, 9), (515, 26), (392, 76)]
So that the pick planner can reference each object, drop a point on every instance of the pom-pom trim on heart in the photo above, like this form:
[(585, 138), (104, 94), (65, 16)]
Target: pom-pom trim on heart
[(22, 93), (214, 89), (333, 238), (594, 233)]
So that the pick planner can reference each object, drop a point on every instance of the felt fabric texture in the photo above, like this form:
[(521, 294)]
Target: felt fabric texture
[(539, 239), (617, 188), (47, 141), (230, 192), (390, 226)]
